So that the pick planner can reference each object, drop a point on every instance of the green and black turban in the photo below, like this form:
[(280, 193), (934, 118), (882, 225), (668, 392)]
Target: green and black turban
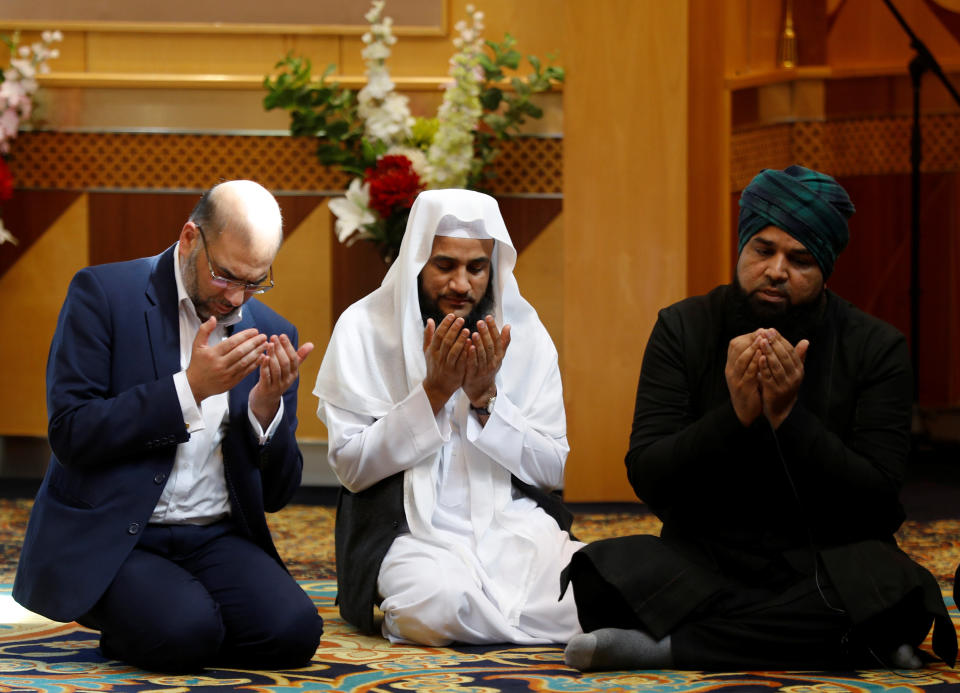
[(809, 205)]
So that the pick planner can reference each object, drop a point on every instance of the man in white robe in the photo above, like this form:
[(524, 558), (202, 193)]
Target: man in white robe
[(448, 435)]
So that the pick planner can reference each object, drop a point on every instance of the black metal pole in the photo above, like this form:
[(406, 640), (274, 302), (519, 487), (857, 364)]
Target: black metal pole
[(916, 156), (923, 60), (923, 53)]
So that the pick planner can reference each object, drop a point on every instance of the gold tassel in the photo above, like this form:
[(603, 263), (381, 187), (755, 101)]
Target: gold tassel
[(788, 40)]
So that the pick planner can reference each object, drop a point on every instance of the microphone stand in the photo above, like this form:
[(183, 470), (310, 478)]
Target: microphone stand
[(922, 61)]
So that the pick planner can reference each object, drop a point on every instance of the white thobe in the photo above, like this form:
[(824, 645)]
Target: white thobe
[(499, 583)]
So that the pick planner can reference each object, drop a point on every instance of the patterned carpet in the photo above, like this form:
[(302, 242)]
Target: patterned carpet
[(40, 655)]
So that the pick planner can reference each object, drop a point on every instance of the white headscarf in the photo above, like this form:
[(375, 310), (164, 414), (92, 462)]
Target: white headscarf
[(375, 356)]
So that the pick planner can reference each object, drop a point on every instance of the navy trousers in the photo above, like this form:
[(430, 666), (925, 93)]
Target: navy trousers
[(194, 596)]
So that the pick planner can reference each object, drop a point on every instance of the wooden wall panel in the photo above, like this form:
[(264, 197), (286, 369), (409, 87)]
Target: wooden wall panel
[(33, 291), (73, 50), (27, 216), (527, 217), (539, 274), (192, 53), (537, 26), (624, 222), (750, 35), (735, 54), (865, 33), (868, 96), (237, 15), (874, 271), (939, 347), (124, 226), (810, 26), (189, 109), (708, 153), (355, 272), (296, 209)]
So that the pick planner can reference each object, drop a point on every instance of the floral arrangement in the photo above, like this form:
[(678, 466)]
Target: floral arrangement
[(392, 154), (18, 87)]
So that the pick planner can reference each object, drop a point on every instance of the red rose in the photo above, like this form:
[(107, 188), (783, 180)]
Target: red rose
[(6, 181), (393, 184)]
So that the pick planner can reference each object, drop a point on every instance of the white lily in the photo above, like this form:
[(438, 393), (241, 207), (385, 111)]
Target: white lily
[(353, 212), (6, 236)]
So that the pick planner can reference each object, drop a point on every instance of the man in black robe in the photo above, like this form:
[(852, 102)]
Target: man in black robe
[(771, 435)]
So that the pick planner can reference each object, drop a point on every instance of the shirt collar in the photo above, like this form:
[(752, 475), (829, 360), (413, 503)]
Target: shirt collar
[(183, 300)]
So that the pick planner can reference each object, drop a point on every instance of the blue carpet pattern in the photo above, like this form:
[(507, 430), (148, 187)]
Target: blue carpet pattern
[(42, 655)]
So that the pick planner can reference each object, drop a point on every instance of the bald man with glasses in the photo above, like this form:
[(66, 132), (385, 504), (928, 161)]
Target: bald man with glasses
[(172, 401)]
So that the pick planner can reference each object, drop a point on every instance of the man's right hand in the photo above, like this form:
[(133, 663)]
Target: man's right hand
[(781, 375), (743, 382), (445, 350), (216, 369)]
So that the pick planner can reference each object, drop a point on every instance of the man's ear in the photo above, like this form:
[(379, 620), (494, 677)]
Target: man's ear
[(189, 237)]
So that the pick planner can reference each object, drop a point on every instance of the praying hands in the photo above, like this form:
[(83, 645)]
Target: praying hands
[(764, 373), (456, 358)]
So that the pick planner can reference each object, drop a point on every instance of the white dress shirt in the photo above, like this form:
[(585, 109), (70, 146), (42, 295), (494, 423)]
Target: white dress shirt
[(196, 492)]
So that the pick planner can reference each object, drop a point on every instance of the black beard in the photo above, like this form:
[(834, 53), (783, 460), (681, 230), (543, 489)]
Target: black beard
[(795, 322), (481, 309)]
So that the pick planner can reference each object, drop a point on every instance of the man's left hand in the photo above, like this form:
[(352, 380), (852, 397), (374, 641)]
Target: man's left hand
[(781, 375), (279, 367), (487, 349)]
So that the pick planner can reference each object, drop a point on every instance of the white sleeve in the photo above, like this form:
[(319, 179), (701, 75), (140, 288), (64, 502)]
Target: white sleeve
[(364, 450), (264, 436), (192, 416), (507, 438)]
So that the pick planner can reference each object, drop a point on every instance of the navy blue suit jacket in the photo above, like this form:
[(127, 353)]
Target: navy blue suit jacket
[(114, 425)]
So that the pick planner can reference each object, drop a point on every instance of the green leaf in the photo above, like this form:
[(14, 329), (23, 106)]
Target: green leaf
[(338, 129), (511, 59), (487, 64), (367, 150), (491, 98)]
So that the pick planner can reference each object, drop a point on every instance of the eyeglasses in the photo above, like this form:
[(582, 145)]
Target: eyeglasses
[(224, 283)]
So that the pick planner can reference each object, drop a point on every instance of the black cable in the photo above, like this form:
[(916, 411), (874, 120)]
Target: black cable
[(806, 522)]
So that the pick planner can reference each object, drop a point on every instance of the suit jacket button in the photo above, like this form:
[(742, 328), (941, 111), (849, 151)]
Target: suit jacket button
[(396, 524), (133, 528), (159, 478)]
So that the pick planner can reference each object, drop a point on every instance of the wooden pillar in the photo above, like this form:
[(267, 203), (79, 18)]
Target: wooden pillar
[(708, 182), (625, 217)]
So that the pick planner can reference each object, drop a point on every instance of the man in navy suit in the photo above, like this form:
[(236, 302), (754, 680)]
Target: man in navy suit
[(172, 401)]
